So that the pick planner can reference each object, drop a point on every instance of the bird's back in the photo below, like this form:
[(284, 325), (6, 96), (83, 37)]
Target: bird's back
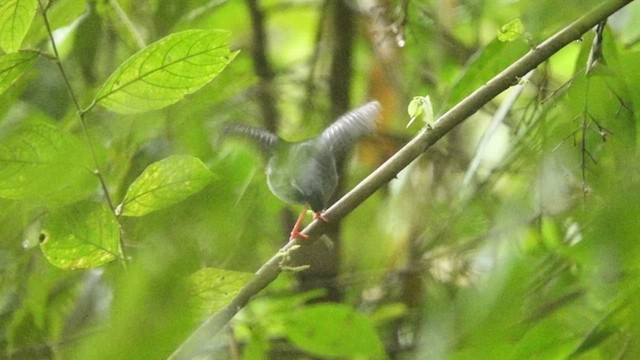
[(303, 173)]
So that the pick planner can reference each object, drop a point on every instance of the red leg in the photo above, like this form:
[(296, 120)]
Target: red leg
[(295, 232)]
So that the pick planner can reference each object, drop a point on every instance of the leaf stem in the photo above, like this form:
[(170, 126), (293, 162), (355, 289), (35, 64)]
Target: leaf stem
[(83, 122)]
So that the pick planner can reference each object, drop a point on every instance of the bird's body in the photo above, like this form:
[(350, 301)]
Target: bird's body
[(292, 174), (306, 172)]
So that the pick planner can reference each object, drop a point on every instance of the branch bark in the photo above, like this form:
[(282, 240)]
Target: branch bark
[(424, 140)]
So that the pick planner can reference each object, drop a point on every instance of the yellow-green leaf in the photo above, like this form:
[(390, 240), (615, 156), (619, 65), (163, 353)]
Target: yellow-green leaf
[(15, 19), (12, 66), (164, 183), (420, 107), (333, 330), (164, 72), (415, 106), (212, 289), (511, 30), (79, 236), (39, 162)]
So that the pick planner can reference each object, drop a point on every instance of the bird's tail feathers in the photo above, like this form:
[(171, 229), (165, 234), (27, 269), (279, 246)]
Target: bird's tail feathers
[(348, 128), (265, 139)]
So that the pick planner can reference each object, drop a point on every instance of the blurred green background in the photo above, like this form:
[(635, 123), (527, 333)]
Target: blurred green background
[(531, 253)]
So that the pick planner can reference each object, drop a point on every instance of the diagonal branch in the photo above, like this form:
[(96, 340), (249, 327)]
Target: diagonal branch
[(386, 172)]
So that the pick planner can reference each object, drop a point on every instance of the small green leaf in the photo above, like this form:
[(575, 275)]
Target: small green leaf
[(79, 236), (39, 162), (212, 289), (511, 30), (12, 66), (415, 106), (164, 72), (15, 19), (420, 107), (334, 330), (164, 183)]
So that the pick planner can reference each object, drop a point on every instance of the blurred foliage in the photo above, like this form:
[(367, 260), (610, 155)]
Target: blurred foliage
[(535, 256)]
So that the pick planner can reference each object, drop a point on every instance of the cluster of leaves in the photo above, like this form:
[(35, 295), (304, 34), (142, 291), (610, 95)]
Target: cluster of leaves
[(43, 163), (122, 225), (535, 226), (61, 175)]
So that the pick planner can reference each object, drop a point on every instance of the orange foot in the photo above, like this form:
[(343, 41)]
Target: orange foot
[(295, 232)]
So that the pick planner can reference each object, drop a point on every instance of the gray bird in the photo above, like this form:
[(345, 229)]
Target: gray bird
[(306, 172)]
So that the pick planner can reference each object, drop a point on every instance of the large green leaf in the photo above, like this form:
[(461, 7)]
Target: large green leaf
[(12, 66), (15, 19), (39, 162), (81, 235), (212, 289), (165, 71), (164, 183), (334, 330)]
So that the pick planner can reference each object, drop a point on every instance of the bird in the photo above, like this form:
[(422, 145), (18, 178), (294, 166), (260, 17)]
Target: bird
[(306, 172)]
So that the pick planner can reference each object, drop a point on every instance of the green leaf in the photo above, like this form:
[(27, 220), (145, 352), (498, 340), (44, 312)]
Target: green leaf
[(12, 66), (511, 30), (333, 330), (415, 108), (45, 309), (79, 236), (15, 19), (165, 71), (420, 106), (164, 183), (212, 289), (39, 162)]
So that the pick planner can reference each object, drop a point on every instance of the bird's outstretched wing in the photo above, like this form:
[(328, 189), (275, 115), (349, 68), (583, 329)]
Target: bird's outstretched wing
[(348, 128), (265, 139)]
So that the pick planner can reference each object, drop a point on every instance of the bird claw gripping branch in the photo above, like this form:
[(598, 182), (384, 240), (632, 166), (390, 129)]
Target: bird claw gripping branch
[(306, 172)]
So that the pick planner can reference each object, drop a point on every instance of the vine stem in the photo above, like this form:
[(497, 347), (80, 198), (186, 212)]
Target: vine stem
[(83, 124), (196, 344)]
